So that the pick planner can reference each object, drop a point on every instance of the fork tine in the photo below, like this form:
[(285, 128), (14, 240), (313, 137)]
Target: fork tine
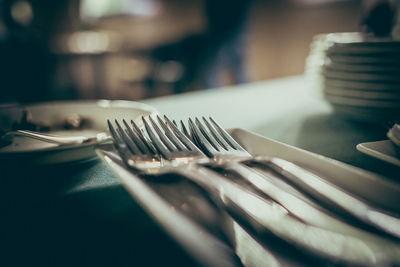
[(136, 138), (228, 138), (216, 135), (209, 137), (184, 139), (183, 129), (172, 137), (145, 140), (132, 146), (162, 136), (201, 140), (138, 131), (160, 146), (117, 138), (189, 132), (119, 144)]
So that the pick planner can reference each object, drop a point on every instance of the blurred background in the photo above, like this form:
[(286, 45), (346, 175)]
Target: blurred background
[(135, 49)]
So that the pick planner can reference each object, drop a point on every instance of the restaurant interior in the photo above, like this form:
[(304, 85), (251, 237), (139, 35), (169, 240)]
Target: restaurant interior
[(199, 133), (138, 49)]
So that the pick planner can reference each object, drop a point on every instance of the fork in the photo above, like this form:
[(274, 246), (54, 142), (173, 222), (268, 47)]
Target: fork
[(263, 216), (140, 155), (230, 157), (218, 144)]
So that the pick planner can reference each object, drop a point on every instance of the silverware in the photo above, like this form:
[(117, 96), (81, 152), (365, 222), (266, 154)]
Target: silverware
[(228, 154), (57, 139), (265, 217), (168, 211), (239, 238), (223, 148), (139, 154)]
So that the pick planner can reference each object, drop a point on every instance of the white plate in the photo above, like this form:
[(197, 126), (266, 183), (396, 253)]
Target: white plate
[(369, 49), (370, 59), (383, 95), (358, 38), (362, 85), (343, 67), (54, 113), (362, 77), (359, 102), (383, 150), (359, 43), (356, 48), (365, 184)]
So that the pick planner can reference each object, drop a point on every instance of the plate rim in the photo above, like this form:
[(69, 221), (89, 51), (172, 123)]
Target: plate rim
[(103, 103), (377, 154), (106, 103)]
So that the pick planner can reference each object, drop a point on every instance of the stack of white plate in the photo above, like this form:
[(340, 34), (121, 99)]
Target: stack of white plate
[(358, 75)]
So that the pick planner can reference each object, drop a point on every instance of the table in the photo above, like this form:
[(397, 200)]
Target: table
[(80, 215), (290, 110)]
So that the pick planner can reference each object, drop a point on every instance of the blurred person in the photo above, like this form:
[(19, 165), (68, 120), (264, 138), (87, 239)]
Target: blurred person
[(226, 41), (216, 57), (380, 16)]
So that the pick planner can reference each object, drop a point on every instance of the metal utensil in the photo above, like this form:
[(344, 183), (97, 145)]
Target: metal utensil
[(265, 217), (167, 211), (221, 146), (57, 139), (139, 154), (228, 154)]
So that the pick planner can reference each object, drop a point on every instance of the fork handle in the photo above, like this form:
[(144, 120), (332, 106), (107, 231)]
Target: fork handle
[(308, 213), (55, 139), (267, 217), (334, 197)]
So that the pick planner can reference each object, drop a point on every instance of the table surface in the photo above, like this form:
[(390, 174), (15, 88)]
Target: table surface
[(290, 110), (81, 215)]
